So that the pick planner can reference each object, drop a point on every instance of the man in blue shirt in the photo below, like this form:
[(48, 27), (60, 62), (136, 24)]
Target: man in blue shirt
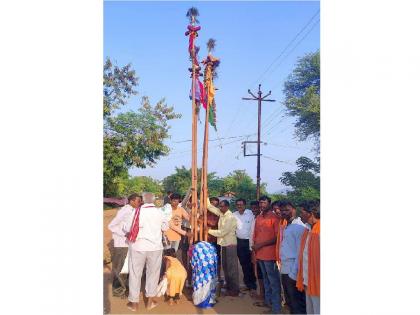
[(290, 237)]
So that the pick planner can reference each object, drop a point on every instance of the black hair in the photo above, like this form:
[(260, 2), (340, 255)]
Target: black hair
[(254, 203), (133, 197), (304, 206), (214, 198), (169, 252), (315, 209), (275, 203), (284, 203), (175, 196), (241, 199), (225, 203), (265, 198), (312, 207)]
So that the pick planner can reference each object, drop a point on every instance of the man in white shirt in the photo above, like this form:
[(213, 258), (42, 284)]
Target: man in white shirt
[(245, 219), (289, 244), (145, 249), (119, 253)]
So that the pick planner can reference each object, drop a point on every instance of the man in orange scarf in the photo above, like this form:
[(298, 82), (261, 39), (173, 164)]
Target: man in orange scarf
[(308, 277)]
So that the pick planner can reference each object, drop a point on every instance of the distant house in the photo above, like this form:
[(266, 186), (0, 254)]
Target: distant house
[(228, 196), (119, 202)]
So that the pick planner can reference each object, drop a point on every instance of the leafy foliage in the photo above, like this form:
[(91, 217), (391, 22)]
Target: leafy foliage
[(238, 182), (302, 97), (178, 182), (118, 84), (139, 184), (242, 185), (133, 138), (305, 182), (139, 135)]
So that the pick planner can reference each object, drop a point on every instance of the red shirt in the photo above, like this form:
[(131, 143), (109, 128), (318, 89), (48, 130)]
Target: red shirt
[(266, 228)]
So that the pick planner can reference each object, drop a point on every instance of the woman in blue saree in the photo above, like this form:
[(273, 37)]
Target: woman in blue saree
[(204, 274)]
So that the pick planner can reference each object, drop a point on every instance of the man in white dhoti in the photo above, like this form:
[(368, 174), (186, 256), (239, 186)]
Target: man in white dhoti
[(144, 233), (120, 248)]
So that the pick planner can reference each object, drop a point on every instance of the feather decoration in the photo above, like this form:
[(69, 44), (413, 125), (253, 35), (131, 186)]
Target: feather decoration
[(215, 74), (192, 14), (216, 64), (211, 43)]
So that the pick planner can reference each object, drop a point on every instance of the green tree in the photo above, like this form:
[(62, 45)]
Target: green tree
[(238, 182), (119, 84), (132, 138), (242, 185), (178, 182), (302, 97), (305, 182), (214, 185), (139, 184)]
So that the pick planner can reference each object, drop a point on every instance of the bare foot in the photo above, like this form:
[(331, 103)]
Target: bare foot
[(151, 305), (171, 302), (133, 306)]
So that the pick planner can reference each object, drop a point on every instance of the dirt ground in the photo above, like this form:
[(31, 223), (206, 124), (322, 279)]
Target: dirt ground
[(114, 305)]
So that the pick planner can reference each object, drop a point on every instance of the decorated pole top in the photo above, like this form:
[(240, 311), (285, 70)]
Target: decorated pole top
[(192, 14), (211, 63), (210, 73), (192, 32)]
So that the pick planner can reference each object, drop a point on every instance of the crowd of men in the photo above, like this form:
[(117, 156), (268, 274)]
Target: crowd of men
[(275, 247)]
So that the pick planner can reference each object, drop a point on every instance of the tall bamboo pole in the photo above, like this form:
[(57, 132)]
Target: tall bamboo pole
[(193, 157), (211, 63), (204, 187), (192, 32), (194, 160)]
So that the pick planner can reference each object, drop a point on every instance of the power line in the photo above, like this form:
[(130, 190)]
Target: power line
[(213, 146), (234, 119), (267, 132), (285, 48), (222, 159), (297, 44), (269, 125), (273, 159), (233, 137), (276, 59), (273, 115), (281, 145)]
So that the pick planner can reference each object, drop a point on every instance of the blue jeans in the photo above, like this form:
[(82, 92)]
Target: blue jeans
[(271, 280)]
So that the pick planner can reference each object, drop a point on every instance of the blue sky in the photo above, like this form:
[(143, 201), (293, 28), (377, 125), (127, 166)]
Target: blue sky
[(250, 36)]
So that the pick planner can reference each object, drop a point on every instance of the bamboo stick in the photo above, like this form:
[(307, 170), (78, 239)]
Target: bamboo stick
[(205, 166), (193, 155)]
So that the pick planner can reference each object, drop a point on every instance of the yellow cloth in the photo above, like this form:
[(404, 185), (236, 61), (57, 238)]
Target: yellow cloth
[(226, 232), (209, 85), (176, 275)]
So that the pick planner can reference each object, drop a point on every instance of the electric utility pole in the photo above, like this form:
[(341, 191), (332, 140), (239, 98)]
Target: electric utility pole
[(259, 99)]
